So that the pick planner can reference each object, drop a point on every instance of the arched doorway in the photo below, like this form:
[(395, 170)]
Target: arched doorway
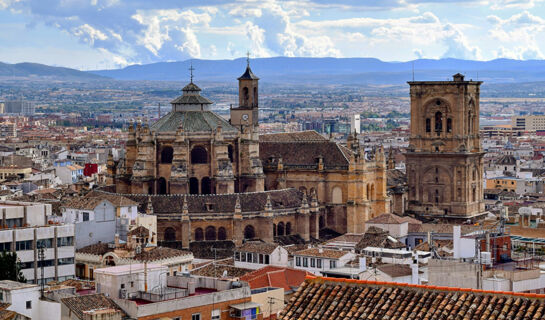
[(206, 186), (170, 234), (162, 185), (199, 236), (249, 232), (222, 233), (210, 233), (167, 155), (288, 228), (199, 155), (193, 186), (280, 229)]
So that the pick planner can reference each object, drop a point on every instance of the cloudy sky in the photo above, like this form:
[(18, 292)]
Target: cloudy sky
[(91, 34)]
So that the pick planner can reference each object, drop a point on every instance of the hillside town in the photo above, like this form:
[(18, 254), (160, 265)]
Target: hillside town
[(191, 214)]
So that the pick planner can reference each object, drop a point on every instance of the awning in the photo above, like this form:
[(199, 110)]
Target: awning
[(245, 305)]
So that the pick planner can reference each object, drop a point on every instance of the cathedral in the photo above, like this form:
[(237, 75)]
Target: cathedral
[(444, 160), (209, 179)]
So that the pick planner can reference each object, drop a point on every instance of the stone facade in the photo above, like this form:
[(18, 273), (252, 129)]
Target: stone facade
[(204, 178), (444, 160)]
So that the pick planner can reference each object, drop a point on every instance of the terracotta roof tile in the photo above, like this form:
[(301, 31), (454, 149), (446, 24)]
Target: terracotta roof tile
[(258, 247), (82, 305), (322, 253), (328, 298), (273, 276)]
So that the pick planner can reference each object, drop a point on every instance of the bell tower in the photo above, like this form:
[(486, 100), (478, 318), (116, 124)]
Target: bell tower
[(246, 114), (444, 159)]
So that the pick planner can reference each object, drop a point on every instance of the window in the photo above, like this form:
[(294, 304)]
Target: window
[(261, 260), (1, 295), (449, 125), (428, 125), (305, 262), (216, 314), (243, 257), (298, 261), (65, 241), (132, 282), (249, 257), (332, 264), (27, 265), (267, 259), (5, 246), (167, 155), (237, 256), (319, 263), (65, 261), (312, 263), (45, 243), (85, 216), (199, 155), (122, 286), (16, 222), (23, 245), (196, 316), (29, 304)]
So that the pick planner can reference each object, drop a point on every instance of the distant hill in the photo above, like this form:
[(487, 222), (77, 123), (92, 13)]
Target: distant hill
[(36, 70), (336, 70)]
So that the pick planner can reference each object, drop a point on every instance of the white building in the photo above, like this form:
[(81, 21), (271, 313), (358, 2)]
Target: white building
[(316, 260), (355, 124), (256, 255), (26, 228), (25, 299), (127, 280), (99, 218)]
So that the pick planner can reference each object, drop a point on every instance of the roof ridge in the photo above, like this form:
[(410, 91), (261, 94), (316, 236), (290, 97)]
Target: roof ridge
[(420, 286)]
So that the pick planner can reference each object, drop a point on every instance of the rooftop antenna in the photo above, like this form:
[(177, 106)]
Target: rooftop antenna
[(191, 71)]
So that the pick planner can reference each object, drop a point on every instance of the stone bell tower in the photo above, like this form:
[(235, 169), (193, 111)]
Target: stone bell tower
[(246, 114), (444, 157)]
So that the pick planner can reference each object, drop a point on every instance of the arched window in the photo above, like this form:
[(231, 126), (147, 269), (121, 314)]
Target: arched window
[(170, 234), (438, 121), (436, 196), (193, 186), (288, 228), (449, 125), (474, 195), (206, 186), (199, 155), (210, 234), (230, 152), (222, 233), (280, 229), (274, 230), (109, 261), (245, 96), (199, 236), (166, 155), (249, 232), (428, 125), (162, 185)]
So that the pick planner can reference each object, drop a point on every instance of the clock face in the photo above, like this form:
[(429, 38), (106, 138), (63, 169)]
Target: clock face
[(245, 117)]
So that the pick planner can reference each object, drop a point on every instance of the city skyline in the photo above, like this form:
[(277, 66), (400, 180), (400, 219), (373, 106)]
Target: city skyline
[(99, 34)]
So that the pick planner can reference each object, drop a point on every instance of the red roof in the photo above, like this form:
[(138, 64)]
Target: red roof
[(277, 277)]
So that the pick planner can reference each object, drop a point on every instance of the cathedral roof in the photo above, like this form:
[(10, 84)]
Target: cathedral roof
[(304, 153), (192, 121), (508, 160), (248, 75), (191, 95)]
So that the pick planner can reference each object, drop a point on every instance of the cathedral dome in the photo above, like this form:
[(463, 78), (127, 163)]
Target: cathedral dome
[(192, 121)]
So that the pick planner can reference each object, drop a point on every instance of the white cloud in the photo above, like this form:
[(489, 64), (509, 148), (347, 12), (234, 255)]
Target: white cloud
[(458, 45), (510, 4)]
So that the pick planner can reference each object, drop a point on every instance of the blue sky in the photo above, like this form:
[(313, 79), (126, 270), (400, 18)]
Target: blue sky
[(93, 34)]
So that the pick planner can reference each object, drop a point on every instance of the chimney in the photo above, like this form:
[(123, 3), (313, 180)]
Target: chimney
[(415, 279), (456, 235), (116, 240)]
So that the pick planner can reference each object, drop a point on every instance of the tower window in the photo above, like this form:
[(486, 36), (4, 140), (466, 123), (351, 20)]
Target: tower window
[(428, 125), (245, 96), (166, 155), (449, 125), (438, 121)]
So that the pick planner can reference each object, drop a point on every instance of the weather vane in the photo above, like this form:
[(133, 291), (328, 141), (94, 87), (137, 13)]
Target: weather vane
[(248, 58), (191, 71)]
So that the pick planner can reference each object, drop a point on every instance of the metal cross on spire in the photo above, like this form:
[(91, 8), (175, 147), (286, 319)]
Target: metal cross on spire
[(191, 71), (248, 58)]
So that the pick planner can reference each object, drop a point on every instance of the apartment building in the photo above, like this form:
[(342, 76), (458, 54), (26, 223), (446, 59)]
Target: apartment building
[(25, 229)]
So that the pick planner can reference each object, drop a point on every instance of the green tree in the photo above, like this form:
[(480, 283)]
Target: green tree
[(10, 267)]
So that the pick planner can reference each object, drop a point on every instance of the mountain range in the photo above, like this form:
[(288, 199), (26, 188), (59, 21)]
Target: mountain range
[(284, 70)]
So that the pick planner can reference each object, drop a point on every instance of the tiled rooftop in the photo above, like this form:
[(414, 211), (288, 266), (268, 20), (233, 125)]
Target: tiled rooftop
[(327, 298)]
